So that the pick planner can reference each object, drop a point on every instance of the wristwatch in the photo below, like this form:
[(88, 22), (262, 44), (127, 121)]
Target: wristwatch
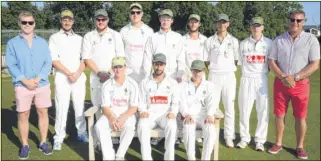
[(296, 77)]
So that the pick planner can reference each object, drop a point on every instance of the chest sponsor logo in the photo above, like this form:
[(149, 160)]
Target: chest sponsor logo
[(159, 100), (119, 102), (138, 47), (255, 59)]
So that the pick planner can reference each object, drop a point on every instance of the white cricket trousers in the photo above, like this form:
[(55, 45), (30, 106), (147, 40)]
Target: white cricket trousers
[(226, 87), (143, 131), (254, 89), (63, 90), (189, 132), (103, 131)]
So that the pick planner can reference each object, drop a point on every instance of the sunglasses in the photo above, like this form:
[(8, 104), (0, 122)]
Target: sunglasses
[(27, 22), (135, 12), (297, 20), (101, 19)]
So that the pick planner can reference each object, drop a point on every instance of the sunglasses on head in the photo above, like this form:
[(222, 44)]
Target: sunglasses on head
[(135, 12), (297, 20), (101, 19), (27, 22)]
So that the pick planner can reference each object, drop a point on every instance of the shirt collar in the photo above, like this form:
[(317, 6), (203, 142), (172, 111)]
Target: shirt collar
[(299, 36), (163, 32), (202, 82), (34, 35), (253, 40), (130, 26), (189, 37), (216, 36), (113, 81), (106, 32), (61, 31)]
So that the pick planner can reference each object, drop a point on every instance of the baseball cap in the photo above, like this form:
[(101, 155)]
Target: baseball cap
[(198, 65), (166, 12), (257, 20), (101, 12), (118, 60), (66, 13), (195, 16), (136, 5), (222, 16), (159, 58)]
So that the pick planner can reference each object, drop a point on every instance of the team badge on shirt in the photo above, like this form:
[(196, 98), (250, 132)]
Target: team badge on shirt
[(126, 91), (204, 92), (109, 40)]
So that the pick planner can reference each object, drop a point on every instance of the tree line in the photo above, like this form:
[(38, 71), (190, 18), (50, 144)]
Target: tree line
[(47, 17)]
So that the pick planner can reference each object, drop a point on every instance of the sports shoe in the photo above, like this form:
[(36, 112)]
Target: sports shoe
[(120, 158), (57, 146), (83, 138), (24, 152), (44, 147), (300, 153), (259, 147), (229, 143), (275, 149), (242, 144), (97, 147), (115, 140), (154, 141), (199, 140)]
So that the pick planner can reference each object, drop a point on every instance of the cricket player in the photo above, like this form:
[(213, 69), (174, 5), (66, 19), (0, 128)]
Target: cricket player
[(158, 107), (65, 48), (170, 44), (99, 47), (198, 105), (193, 43), (119, 102), (254, 84), (134, 36), (221, 51)]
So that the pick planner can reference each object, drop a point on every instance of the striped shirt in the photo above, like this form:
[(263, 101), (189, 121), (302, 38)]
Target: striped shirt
[(293, 56)]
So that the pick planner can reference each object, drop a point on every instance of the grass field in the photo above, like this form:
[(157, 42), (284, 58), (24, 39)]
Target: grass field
[(72, 150)]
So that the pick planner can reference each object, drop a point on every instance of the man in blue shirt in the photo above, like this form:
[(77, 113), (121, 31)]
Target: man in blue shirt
[(29, 63)]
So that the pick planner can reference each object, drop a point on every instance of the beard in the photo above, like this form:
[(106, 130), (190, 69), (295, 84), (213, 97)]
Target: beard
[(158, 72), (192, 31)]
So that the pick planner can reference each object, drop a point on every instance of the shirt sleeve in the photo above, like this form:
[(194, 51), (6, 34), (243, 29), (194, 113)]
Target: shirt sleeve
[(12, 63), (134, 95), (119, 45), (47, 64), (211, 101), (240, 57), (142, 102), (147, 60), (314, 53), (86, 47), (53, 49), (183, 107), (175, 99), (273, 54), (207, 49), (236, 49), (105, 96), (180, 58)]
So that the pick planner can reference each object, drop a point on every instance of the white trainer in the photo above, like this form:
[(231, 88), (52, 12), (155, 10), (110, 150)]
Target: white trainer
[(242, 144), (229, 143), (259, 147)]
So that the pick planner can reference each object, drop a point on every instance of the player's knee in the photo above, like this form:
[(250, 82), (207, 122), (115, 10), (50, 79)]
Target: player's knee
[(143, 124), (171, 124)]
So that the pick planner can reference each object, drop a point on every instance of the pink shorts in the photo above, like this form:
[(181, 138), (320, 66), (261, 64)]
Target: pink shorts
[(24, 97)]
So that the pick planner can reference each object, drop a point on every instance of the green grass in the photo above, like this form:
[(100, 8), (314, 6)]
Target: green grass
[(72, 150)]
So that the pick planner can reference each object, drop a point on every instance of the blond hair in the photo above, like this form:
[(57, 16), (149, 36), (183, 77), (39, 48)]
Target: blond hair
[(26, 14), (296, 12)]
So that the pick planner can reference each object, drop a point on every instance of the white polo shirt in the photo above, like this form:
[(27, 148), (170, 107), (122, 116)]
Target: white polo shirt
[(67, 49), (120, 97), (159, 98), (102, 48), (134, 41), (253, 56), (198, 100), (171, 45), (194, 49), (221, 55)]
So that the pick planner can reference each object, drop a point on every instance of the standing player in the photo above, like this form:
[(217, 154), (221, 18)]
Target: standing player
[(134, 36), (254, 84), (170, 44), (119, 102), (198, 105), (65, 47), (221, 51), (159, 106)]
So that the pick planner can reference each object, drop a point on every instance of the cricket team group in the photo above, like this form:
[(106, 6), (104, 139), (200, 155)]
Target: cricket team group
[(142, 79)]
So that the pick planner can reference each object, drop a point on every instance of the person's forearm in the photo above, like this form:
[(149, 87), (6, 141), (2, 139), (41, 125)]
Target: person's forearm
[(107, 112), (309, 69), (91, 65), (276, 70), (131, 111), (81, 67), (57, 64)]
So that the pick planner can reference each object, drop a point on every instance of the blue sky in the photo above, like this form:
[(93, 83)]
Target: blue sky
[(312, 10)]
